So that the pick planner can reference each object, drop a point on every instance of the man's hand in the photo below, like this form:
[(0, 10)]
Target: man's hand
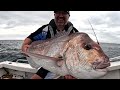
[(69, 77), (26, 44), (25, 47)]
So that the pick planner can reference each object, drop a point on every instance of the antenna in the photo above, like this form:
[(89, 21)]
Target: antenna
[(93, 31)]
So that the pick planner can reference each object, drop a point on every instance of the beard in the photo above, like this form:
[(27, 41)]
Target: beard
[(61, 21)]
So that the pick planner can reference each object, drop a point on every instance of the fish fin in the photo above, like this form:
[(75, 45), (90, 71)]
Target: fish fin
[(43, 56), (49, 63)]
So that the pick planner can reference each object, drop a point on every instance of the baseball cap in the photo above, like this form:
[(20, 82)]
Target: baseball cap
[(64, 11)]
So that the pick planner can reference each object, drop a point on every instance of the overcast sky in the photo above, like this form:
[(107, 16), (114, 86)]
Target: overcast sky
[(17, 25)]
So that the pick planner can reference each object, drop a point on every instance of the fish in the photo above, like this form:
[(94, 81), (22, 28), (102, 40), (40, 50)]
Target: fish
[(75, 54)]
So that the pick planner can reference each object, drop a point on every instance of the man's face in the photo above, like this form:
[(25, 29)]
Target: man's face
[(61, 18)]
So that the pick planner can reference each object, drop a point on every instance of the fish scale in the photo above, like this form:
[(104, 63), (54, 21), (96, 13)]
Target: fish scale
[(67, 55)]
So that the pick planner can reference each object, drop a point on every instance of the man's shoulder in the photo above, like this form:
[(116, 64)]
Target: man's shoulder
[(43, 26)]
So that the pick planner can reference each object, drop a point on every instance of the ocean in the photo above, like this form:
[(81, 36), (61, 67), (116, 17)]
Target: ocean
[(10, 50)]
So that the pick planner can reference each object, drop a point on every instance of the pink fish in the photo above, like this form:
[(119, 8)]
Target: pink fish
[(75, 54)]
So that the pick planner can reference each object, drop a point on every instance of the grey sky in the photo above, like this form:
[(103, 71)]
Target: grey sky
[(17, 25)]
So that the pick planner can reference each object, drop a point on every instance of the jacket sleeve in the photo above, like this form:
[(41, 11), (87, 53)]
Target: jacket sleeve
[(42, 72), (38, 34)]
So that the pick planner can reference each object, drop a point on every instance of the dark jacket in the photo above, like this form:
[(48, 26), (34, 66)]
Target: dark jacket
[(44, 32)]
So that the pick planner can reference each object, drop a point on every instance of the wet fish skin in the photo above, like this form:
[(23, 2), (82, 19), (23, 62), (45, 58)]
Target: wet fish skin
[(81, 56)]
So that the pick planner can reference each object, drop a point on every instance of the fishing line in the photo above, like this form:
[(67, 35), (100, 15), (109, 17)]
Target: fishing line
[(93, 31)]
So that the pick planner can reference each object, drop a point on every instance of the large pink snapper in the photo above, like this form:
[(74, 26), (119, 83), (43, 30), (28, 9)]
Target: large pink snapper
[(75, 54)]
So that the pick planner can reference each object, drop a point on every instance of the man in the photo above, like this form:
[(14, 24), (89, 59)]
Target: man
[(57, 25)]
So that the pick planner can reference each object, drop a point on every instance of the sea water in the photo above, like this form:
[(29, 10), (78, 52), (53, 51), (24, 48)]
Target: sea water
[(10, 50)]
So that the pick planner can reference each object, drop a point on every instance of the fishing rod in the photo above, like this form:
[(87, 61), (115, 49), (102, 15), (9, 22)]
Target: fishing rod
[(93, 31)]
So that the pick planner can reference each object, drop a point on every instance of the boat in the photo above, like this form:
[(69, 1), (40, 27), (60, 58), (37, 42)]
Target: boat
[(21, 69)]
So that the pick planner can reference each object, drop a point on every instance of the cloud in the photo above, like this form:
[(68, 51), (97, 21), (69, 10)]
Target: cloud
[(114, 19), (18, 18), (19, 24), (106, 18)]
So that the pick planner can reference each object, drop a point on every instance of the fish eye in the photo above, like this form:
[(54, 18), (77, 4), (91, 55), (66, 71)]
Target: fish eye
[(87, 47)]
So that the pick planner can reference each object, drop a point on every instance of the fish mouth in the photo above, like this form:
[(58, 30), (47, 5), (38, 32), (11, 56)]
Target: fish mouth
[(102, 67)]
